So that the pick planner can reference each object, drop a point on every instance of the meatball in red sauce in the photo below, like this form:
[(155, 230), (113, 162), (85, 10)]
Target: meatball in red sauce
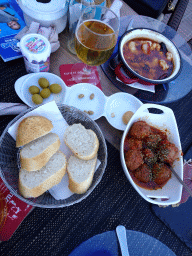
[(143, 173), (148, 152), (131, 143), (149, 156), (133, 159), (168, 152), (140, 130), (161, 173)]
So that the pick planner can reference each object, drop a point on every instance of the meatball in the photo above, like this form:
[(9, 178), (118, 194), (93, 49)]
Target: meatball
[(148, 156), (131, 143), (161, 173), (140, 129), (133, 159), (152, 140), (168, 152), (143, 173)]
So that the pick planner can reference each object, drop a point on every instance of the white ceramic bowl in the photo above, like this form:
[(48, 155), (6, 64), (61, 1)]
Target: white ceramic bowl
[(172, 190), (158, 37)]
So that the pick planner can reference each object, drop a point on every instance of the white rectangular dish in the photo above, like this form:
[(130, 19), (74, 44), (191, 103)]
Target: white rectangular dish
[(171, 192)]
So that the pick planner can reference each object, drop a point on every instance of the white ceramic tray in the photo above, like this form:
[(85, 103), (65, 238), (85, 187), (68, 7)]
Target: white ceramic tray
[(165, 121), (101, 105)]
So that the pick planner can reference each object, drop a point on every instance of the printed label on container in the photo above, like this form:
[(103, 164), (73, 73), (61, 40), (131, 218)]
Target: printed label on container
[(34, 66), (35, 45)]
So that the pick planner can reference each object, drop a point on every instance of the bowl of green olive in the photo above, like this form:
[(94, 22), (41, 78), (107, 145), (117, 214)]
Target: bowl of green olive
[(40, 88)]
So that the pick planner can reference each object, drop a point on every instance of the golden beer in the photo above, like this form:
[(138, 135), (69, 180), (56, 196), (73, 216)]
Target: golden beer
[(94, 42)]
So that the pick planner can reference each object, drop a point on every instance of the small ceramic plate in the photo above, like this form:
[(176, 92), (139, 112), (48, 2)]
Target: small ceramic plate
[(116, 105), (22, 87), (79, 96)]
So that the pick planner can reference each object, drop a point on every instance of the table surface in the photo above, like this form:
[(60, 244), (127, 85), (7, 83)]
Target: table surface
[(113, 202)]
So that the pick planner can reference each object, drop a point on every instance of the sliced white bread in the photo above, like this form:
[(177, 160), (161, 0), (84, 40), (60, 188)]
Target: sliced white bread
[(31, 128), (34, 155), (80, 173), (82, 142), (34, 184)]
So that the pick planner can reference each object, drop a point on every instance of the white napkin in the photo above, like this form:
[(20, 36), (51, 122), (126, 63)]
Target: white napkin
[(149, 88), (52, 112)]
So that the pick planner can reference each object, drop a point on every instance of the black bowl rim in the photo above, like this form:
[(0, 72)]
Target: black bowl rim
[(167, 80)]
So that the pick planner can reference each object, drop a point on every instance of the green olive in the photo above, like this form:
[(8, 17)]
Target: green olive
[(45, 93), (55, 88), (43, 82), (34, 89), (37, 99)]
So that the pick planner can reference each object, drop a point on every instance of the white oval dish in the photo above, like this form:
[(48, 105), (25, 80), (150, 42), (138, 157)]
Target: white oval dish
[(171, 192), (101, 105), (33, 78)]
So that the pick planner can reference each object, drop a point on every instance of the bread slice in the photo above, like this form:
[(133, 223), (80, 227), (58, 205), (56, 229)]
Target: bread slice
[(34, 155), (82, 142), (34, 184), (80, 173), (31, 128)]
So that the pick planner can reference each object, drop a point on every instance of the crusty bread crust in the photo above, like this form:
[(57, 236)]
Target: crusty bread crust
[(37, 162), (92, 153), (82, 187), (43, 187), (31, 128)]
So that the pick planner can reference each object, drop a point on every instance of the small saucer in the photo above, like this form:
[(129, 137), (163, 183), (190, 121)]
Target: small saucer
[(116, 105), (97, 104), (22, 87)]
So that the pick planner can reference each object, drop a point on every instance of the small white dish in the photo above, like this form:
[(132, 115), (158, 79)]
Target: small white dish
[(116, 105), (97, 104), (101, 105), (22, 87), (171, 192)]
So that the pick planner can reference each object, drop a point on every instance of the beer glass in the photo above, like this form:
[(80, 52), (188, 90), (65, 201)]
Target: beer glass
[(96, 35)]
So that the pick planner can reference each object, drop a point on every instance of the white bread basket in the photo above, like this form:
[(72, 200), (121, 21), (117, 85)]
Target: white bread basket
[(172, 190)]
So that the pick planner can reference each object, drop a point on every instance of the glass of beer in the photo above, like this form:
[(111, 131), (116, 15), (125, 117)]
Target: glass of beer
[(96, 35)]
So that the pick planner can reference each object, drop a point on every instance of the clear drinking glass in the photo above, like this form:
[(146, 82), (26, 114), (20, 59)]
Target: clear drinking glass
[(75, 9), (96, 35)]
